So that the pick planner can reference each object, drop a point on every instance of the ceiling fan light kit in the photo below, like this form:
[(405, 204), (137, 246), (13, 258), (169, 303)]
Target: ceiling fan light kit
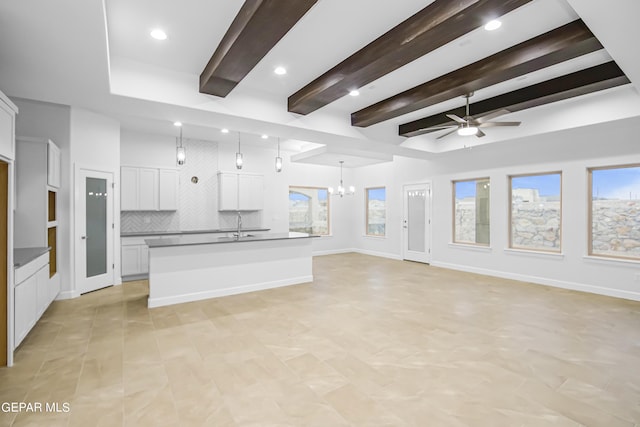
[(468, 125)]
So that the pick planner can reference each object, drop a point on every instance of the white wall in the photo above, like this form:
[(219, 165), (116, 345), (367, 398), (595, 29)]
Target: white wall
[(95, 145), (571, 151)]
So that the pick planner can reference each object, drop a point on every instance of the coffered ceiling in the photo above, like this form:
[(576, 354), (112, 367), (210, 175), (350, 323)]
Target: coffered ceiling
[(98, 54)]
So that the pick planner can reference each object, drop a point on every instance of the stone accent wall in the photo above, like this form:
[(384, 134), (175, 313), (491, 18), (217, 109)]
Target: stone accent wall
[(536, 225), (616, 227)]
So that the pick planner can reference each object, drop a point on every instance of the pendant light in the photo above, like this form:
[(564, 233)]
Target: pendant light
[(181, 152), (239, 155), (278, 159), (341, 189)]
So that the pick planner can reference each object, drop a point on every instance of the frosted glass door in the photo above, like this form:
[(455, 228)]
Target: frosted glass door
[(96, 217), (94, 230), (416, 223), (416, 220)]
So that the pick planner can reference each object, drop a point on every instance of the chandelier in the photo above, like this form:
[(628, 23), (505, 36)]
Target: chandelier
[(341, 188)]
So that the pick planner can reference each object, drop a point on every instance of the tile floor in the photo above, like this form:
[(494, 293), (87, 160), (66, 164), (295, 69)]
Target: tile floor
[(371, 342)]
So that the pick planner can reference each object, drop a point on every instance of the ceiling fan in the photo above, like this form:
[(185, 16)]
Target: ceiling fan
[(468, 125)]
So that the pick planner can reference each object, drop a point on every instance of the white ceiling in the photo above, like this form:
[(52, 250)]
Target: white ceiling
[(98, 55)]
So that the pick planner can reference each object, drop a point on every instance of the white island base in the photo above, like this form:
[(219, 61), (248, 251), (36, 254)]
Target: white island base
[(192, 269)]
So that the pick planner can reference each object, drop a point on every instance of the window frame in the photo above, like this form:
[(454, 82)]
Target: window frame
[(453, 212), (510, 207), (366, 209), (590, 213), (328, 233)]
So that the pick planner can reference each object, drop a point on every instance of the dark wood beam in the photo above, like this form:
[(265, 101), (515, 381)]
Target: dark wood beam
[(581, 82), (259, 25), (569, 41), (434, 26)]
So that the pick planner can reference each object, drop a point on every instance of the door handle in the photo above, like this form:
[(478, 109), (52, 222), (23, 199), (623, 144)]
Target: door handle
[(84, 237)]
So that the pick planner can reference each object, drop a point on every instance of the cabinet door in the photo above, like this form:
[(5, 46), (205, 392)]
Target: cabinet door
[(147, 189), (128, 189), (130, 260), (42, 290), (168, 191), (25, 308), (250, 192), (7, 140), (144, 259), (227, 192), (53, 165)]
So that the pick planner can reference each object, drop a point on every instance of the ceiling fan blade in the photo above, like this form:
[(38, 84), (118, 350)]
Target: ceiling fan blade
[(480, 134), (448, 133), (491, 115), (495, 124), (456, 118)]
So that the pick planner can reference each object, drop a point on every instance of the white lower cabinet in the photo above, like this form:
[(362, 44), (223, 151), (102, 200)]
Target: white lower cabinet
[(32, 295), (135, 257)]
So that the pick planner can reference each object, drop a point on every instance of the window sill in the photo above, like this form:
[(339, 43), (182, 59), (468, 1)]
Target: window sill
[(608, 260), (540, 254), (370, 236), (480, 248)]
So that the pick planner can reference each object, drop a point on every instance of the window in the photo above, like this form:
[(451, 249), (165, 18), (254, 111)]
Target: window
[(614, 211), (536, 211), (471, 211), (309, 210), (376, 211)]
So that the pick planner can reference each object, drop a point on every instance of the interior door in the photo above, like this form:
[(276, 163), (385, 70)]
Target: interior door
[(94, 230), (416, 224)]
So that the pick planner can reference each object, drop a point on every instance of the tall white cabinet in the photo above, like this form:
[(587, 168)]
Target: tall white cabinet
[(148, 189)]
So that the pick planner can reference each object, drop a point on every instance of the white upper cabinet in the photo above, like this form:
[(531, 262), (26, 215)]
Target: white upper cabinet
[(53, 165), (240, 192), (148, 189), (168, 190), (7, 127)]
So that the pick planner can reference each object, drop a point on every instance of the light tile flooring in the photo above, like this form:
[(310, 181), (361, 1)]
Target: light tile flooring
[(370, 342)]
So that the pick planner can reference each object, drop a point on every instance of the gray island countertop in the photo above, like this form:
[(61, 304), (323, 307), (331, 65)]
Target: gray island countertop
[(180, 233), (195, 239)]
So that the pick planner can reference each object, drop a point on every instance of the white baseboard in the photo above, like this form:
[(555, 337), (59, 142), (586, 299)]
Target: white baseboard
[(197, 296), (358, 251), (67, 295), (333, 252), (379, 254), (617, 293)]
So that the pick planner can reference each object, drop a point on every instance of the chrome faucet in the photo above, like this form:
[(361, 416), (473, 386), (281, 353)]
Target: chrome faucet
[(239, 224)]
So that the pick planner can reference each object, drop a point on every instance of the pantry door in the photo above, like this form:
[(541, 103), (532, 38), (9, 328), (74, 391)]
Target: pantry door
[(94, 230)]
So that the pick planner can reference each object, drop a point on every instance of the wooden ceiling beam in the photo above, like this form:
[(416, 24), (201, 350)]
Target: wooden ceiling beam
[(434, 26), (256, 29), (581, 82), (566, 42)]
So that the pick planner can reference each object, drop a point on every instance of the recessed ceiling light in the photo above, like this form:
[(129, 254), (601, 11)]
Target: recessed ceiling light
[(224, 130), (177, 124), (264, 136), (492, 25), (158, 34), (280, 71), (354, 92)]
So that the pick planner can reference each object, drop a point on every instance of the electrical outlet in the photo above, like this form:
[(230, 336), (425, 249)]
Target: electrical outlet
[(147, 219)]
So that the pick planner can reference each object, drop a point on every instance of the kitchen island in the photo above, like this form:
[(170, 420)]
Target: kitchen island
[(195, 267)]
